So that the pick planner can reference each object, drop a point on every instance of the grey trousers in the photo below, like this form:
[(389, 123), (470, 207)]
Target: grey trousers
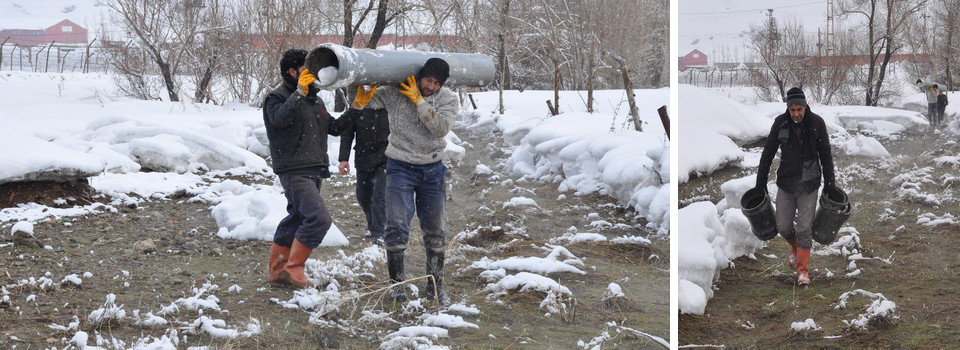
[(795, 216)]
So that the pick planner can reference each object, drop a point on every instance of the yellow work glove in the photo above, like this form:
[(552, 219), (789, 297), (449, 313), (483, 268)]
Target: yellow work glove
[(304, 82), (363, 98), (410, 90)]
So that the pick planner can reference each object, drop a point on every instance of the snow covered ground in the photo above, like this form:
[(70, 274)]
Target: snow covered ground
[(135, 153), (714, 128), (586, 152)]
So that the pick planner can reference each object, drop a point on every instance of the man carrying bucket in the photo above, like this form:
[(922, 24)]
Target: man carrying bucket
[(804, 144)]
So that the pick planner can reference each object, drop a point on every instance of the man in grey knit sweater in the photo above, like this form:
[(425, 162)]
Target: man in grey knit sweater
[(421, 112)]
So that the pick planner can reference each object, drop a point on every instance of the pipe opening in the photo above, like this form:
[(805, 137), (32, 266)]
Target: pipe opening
[(321, 58)]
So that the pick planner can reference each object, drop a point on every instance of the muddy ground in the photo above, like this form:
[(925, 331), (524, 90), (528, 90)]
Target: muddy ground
[(756, 302), (187, 254)]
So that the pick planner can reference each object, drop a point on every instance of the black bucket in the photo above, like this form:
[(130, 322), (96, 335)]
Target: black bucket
[(758, 210), (834, 210)]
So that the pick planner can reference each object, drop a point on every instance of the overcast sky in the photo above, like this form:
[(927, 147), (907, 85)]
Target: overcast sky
[(40, 14), (716, 26)]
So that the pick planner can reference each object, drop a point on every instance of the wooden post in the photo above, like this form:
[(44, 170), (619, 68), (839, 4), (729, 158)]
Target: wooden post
[(63, 63), (1, 51), (590, 80), (556, 87), (474, 103), (86, 55), (15, 47), (553, 110), (628, 86), (46, 64), (664, 119)]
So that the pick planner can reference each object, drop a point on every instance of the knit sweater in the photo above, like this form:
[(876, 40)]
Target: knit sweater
[(417, 131)]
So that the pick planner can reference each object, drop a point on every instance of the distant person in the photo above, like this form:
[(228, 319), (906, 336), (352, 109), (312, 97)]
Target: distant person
[(932, 90), (801, 136), (942, 103), (371, 129), (297, 124), (421, 112)]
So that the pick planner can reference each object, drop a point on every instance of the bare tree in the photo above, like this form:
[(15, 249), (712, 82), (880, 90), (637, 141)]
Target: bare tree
[(165, 30), (885, 25)]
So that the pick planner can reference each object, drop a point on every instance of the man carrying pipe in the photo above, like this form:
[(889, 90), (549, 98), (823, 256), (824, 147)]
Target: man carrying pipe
[(804, 144), (421, 112), (297, 124), (371, 129)]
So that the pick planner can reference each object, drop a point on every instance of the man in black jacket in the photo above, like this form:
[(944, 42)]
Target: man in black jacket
[(371, 129), (297, 124), (804, 147)]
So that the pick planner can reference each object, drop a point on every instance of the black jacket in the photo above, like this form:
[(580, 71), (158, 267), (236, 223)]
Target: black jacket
[(942, 101), (297, 127), (801, 156), (371, 127)]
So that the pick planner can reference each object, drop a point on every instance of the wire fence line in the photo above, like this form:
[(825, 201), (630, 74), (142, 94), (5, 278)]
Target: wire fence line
[(53, 58)]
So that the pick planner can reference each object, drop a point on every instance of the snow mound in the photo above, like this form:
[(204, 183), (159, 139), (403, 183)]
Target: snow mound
[(864, 146), (711, 123), (804, 326), (529, 264), (525, 282), (255, 214), (23, 226), (448, 321), (29, 158), (708, 243)]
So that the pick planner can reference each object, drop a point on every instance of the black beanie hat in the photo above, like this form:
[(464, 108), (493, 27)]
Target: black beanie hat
[(292, 58), (437, 68), (795, 97)]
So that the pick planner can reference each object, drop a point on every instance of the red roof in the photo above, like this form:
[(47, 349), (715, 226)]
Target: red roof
[(64, 32)]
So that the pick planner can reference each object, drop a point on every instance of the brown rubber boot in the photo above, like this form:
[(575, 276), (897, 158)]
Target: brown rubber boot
[(803, 264), (278, 258), (792, 258), (292, 272)]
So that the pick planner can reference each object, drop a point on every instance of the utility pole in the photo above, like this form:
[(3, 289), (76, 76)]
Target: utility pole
[(924, 43), (830, 29), (772, 35)]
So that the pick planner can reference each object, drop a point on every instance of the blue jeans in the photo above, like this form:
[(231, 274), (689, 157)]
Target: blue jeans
[(371, 194), (307, 217), (415, 188), (934, 114)]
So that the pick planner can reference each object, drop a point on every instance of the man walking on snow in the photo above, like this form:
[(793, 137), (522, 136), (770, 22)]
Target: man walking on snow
[(804, 144), (297, 124), (932, 91), (371, 129), (421, 112)]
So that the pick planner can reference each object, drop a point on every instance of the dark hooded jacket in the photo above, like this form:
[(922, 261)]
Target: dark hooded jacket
[(804, 151), (297, 127), (371, 129)]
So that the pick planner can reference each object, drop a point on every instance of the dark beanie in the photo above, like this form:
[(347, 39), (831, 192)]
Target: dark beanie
[(795, 97), (292, 58), (437, 68)]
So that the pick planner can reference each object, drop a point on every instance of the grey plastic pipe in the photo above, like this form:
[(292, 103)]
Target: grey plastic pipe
[(382, 67)]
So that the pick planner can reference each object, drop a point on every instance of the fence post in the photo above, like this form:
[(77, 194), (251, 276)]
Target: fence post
[(46, 64), (86, 55), (1, 50), (628, 87), (664, 119)]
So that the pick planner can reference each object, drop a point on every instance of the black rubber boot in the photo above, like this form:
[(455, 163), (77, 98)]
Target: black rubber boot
[(435, 269), (395, 267)]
